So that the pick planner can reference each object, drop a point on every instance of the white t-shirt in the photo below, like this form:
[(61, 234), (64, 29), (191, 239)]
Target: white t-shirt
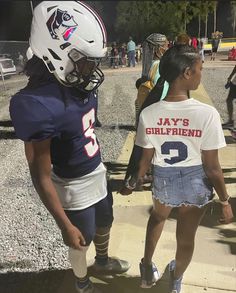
[(179, 131), (82, 192)]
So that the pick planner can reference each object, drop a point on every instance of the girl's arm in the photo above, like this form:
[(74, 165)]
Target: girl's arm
[(214, 173), (144, 165)]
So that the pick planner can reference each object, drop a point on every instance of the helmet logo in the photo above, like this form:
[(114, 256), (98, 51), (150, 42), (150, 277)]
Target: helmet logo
[(61, 22)]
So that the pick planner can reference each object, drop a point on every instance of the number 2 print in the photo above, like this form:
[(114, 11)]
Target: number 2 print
[(174, 145)]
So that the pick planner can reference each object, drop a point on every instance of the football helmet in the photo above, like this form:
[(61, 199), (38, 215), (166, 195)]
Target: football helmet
[(29, 53), (70, 37)]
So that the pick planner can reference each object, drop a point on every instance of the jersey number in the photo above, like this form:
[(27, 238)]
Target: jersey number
[(92, 147), (174, 145)]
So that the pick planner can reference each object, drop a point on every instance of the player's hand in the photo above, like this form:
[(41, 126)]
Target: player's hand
[(125, 191), (73, 238), (227, 214)]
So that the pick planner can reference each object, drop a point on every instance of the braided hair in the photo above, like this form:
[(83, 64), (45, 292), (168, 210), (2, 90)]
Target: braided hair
[(172, 64)]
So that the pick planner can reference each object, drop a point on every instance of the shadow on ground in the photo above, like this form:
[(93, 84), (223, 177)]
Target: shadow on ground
[(7, 134), (6, 123), (119, 283), (31, 282), (229, 140), (61, 281)]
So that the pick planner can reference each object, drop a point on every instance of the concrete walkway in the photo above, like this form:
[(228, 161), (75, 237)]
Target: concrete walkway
[(213, 267)]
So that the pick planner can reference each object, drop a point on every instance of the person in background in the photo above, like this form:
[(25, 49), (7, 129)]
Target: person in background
[(201, 50), (231, 84), (131, 52), (21, 62), (55, 116), (123, 55), (215, 45), (115, 56), (183, 39), (184, 153), (112, 55), (153, 48), (194, 42)]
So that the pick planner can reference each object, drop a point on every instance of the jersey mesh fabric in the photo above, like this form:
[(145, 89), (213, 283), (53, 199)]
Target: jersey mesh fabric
[(47, 112)]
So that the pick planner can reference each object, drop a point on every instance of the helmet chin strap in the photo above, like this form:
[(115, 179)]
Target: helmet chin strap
[(79, 86), (61, 81)]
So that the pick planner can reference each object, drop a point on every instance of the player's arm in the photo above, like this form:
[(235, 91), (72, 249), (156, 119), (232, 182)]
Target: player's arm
[(39, 161), (214, 173)]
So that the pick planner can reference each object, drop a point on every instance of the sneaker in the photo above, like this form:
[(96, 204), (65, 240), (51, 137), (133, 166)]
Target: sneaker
[(87, 289), (174, 285), (227, 125), (113, 266), (149, 275)]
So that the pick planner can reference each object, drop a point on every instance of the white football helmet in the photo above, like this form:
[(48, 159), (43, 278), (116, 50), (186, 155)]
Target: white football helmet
[(70, 37), (29, 53)]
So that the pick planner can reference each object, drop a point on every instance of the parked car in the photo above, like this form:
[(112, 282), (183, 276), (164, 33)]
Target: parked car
[(7, 66)]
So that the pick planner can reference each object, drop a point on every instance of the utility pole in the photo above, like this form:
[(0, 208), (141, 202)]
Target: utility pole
[(215, 17), (32, 8)]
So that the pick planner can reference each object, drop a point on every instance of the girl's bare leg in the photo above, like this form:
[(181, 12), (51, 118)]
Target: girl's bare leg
[(155, 226), (187, 223)]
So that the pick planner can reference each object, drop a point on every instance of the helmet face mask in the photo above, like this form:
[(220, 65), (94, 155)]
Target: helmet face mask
[(70, 38), (85, 74)]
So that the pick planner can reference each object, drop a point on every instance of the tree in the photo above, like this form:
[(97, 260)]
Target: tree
[(202, 10), (215, 8), (233, 16), (196, 11), (136, 17), (141, 18), (206, 8)]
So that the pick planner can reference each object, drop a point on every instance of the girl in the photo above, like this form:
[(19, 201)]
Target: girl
[(181, 137)]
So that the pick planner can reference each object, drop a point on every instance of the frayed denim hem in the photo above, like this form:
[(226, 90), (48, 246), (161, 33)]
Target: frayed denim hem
[(186, 204)]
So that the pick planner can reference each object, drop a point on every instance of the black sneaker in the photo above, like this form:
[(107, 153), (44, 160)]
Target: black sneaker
[(113, 266)]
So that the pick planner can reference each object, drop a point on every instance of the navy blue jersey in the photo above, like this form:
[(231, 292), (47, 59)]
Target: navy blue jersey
[(52, 112)]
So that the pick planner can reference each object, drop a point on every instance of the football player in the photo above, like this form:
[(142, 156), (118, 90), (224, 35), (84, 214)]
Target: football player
[(55, 116)]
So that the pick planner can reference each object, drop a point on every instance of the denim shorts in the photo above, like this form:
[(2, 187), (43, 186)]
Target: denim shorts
[(177, 186)]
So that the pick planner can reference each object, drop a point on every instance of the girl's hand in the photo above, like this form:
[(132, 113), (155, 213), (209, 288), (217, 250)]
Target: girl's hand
[(227, 214), (125, 191)]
